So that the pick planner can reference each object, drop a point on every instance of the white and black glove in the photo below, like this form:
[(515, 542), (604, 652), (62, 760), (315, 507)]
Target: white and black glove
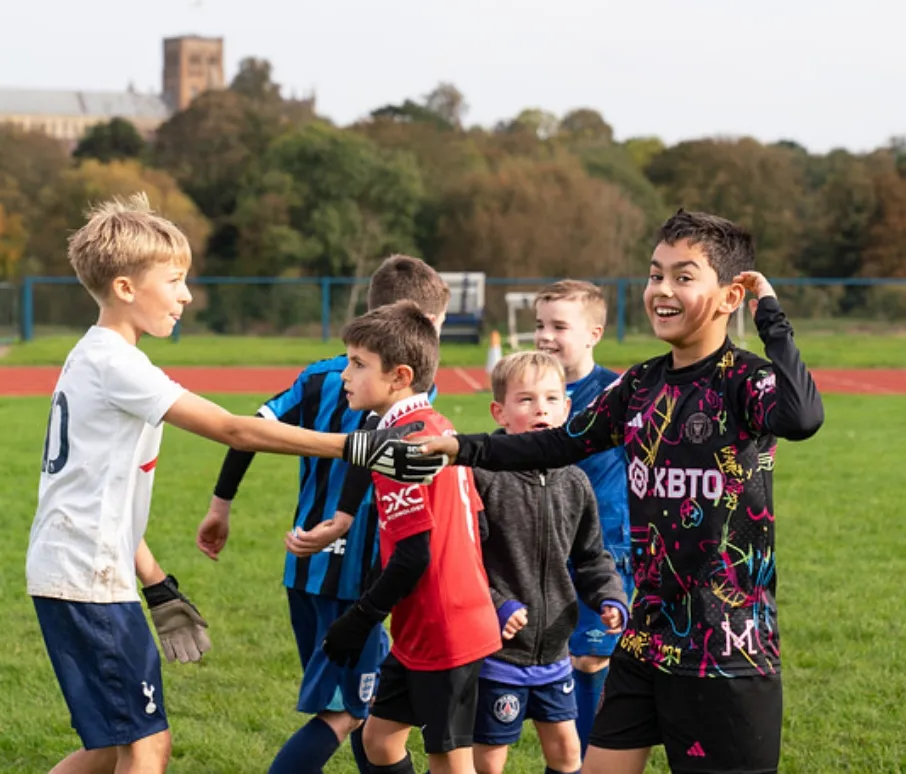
[(180, 627), (385, 452)]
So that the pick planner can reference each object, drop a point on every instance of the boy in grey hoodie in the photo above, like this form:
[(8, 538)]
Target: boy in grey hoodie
[(537, 524)]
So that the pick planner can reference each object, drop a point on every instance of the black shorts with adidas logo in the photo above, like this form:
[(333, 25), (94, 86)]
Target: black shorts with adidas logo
[(706, 724)]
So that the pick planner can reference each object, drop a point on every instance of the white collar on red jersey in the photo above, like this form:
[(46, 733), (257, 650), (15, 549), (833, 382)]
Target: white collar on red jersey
[(402, 407)]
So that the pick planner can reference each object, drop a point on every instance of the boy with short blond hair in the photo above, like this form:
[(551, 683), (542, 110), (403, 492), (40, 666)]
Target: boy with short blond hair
[(101, 448), (527, 550), (333, 542), (433, 581), (570, 316)]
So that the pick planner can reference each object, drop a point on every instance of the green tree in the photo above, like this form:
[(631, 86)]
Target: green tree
[(254, 81), (587, 125), (63, 207), (212, 145), (13, 238), (112, 140), (448, 102), (760, 187), (538, 219), (349, 202), (642, 150)]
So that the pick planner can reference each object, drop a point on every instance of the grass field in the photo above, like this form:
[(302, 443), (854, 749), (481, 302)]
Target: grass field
[(841, 559), (820, 350)]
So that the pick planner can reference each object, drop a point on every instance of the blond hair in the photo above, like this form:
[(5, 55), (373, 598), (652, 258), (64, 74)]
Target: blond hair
[(400, 334), (517, 365), (590, 296), (124, 237), (404, 278)]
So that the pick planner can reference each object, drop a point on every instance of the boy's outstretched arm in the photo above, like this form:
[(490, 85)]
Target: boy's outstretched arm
[(371, 449), (786, 402), (598, 427)]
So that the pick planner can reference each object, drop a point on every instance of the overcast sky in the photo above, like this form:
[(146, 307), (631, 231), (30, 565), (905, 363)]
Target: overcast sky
[(826, 73)]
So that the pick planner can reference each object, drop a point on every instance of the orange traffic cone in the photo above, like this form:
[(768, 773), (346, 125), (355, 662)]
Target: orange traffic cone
[(494, 351)]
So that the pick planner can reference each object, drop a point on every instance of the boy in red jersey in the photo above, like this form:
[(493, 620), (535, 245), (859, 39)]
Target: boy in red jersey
[(433, 579)]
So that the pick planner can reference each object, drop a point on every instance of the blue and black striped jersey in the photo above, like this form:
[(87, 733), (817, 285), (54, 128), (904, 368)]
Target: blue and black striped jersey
[(317, 401), (606, 472)]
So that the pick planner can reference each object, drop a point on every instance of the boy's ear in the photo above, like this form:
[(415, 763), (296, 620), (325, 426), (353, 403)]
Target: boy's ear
[(733, 297), (402, 377), (497, 412), (597, 332), (123, 289)]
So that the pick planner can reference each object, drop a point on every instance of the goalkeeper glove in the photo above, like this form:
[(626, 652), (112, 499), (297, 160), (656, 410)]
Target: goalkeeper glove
[(180, 627), (347, 636), (384, 451)]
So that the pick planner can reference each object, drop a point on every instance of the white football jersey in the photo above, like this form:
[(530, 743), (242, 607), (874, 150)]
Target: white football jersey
[(100, 451)]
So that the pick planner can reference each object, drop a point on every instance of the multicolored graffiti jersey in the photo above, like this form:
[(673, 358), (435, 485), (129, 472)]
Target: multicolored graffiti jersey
[(700, 443)]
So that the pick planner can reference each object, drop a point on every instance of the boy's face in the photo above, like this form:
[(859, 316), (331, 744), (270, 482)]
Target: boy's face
[(683, 298), (368, 387), (562, 329), (156, 298), (534, 401)]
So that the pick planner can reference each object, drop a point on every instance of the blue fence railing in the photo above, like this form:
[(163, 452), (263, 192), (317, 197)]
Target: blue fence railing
[(325, 300)]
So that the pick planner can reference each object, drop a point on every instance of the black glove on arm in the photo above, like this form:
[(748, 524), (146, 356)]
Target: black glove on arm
[(384, 452), (347, 636), (180, 627)]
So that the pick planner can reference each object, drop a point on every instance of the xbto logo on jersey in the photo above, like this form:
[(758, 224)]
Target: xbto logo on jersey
[(674, 483)]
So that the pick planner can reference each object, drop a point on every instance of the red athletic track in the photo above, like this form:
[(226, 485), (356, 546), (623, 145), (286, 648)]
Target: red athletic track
[(15, 380)]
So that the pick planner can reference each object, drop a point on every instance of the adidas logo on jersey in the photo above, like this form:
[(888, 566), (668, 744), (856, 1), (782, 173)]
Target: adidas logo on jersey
[(696, 751), (636, 422)]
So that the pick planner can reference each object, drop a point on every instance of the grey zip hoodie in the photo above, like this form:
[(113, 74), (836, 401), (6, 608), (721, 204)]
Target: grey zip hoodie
[(535, 522)]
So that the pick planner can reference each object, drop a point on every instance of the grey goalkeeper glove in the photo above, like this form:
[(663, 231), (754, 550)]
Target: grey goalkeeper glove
[(180, 627), (385, 451)]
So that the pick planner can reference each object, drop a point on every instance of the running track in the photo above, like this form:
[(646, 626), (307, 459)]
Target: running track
[(16, 380)]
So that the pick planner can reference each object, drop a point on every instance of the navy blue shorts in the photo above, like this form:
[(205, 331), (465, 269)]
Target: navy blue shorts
[(108, 666), (503, 708), (325, 685), (590, 637)]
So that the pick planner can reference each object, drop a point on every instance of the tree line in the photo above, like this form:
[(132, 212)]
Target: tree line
[(264, 187)]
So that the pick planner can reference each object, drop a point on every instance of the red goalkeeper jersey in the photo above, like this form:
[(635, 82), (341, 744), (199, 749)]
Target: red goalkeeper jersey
[(448, 620)]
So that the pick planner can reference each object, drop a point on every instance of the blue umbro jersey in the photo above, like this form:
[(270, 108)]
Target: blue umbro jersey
[(317, 401), (606, 471)]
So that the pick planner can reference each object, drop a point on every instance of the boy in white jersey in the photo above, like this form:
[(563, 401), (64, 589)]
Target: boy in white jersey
[(103, 437)]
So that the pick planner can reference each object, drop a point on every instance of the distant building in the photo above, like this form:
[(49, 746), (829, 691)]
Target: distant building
[(192, 65)]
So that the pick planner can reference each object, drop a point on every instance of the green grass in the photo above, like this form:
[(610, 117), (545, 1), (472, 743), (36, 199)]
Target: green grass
[(820, 350), (841, 559)]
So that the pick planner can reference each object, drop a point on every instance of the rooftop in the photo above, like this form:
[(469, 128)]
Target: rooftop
[(125, 104)]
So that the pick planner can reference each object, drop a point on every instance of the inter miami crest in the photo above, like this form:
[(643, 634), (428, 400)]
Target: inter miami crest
[(698, 428)]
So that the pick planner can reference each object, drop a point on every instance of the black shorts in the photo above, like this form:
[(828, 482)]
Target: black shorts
[(705, 724), (442, 703)]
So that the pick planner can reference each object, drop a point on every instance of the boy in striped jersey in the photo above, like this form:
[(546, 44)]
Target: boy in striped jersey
[(329, 550)]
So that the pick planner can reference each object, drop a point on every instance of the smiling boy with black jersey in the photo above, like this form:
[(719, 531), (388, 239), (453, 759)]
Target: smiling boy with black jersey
[(698, 667)]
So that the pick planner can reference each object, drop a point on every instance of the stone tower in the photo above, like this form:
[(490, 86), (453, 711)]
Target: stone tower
[(192, 64)]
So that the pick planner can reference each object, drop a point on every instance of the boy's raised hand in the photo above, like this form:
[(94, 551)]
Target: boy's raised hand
[(214, 528), (386, 452), (612, 618), (515, 623), (757, 284)]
